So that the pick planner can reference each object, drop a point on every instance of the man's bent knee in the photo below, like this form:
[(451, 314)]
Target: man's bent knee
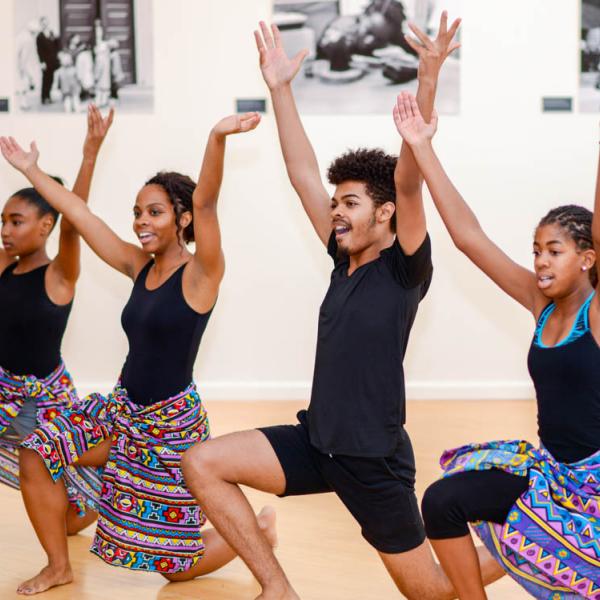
[(198, 463)]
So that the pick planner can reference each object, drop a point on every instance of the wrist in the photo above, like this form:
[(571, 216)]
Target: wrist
[(279, 88), (89, 158), (217, 135), (30, 171), (422, 146)]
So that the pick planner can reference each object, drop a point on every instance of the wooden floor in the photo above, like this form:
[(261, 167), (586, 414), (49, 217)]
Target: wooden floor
[(320, 546)]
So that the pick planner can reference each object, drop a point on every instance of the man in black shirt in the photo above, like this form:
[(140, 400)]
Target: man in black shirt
[(351, 441)]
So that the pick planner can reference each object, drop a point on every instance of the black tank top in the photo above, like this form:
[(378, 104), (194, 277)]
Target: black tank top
[(567, 384), (164, 334), (31, 325)]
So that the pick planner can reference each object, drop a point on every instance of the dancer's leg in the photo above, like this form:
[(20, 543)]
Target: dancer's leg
[(47, 505), (449, 505), (218, 552), (213, 471)]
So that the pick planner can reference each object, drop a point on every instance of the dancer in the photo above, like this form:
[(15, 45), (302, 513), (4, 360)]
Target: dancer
[(36, 295), (147, 518), (537, 506), (352, 440)]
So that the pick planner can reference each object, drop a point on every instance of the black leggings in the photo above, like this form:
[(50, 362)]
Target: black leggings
[(450, 503)]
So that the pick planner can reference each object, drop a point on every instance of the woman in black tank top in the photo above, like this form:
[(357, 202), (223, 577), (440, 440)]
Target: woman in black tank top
[(147, 518), (36, 295), (535, 508)]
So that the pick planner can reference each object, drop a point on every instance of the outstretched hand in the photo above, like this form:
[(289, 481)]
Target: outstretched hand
[(237, 124), (433, 53), (97, 128), (276, 67), (16, 156), (409, 122)]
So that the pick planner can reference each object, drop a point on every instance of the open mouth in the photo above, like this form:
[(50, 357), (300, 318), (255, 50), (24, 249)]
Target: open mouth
[(145, 237), (341, 230), (545, 281)]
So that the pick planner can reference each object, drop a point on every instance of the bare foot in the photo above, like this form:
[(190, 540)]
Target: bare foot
[(48, 577), (266, 521), (288, 594)]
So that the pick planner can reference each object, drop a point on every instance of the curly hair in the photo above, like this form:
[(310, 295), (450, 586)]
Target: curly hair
[(576, 221), (374, 168), (33, 197), (179, 189)]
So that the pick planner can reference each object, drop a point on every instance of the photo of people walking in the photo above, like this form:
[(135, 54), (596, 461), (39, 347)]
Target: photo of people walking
[(71, 54)]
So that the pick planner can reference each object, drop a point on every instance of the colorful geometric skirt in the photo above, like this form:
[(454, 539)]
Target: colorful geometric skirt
[(52, 395), (148, 520), (550, 542)]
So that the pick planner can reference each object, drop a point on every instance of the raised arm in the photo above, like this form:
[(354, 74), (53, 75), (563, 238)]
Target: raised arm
[(119, 254), (301, 163), (596, 219), (209, 263), (411, 226), (461, 222), (66, 263)]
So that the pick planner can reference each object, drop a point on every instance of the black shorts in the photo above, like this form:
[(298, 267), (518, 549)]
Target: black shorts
[(379, 492)]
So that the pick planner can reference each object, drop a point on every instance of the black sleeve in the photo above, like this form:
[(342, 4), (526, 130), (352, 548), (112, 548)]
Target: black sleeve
[(414, 270)]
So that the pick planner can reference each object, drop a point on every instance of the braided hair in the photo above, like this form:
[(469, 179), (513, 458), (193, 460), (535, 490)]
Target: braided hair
[(576, 221), (33, 197), (179, 189)]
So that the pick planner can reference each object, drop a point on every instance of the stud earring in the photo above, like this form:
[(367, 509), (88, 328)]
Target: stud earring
[(584, 268)]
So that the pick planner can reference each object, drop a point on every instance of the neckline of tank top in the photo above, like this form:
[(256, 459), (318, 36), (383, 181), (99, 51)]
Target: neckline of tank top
[(152, 263), (16, 264), (583, 311)]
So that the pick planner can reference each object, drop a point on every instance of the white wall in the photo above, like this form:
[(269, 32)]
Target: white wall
[(511, 162)]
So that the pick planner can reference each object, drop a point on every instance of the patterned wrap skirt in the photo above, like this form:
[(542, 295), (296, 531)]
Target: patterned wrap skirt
[(52, 395), (550, 542), (148, 520)]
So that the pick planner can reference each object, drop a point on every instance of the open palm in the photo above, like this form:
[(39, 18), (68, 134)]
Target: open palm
[(276, 67), (16, 156), (97, 128), (433, 52), (409, 122)]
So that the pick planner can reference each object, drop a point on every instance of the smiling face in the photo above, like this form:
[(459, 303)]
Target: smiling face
[(560, 265), (155, 222), (24, 229), (358, 222)]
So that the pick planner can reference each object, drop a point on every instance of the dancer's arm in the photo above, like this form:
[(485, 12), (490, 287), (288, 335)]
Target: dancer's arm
[(66, 264), (301, 163), (411, 226), (461, 222), (209, 264), (124, 257), (596, 219)]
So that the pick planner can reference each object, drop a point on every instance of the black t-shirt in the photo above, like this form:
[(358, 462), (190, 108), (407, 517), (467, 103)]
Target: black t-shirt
[(357, 404)]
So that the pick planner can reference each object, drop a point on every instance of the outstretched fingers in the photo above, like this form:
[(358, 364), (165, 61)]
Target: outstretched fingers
[(276, 36), (443, 23), (421, 36), (401, 107), (267, 35), (413, 106)]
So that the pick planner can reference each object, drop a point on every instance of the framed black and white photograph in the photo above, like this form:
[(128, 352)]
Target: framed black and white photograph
[(69, 54), (358, 59), (589, 83)]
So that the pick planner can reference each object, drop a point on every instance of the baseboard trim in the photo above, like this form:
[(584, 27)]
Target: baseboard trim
[(300, 390)]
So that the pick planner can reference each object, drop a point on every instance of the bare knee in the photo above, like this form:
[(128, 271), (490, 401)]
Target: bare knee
[(199, 464)]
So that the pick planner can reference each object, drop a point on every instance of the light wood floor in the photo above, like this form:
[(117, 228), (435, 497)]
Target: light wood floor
[(320, 546)]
